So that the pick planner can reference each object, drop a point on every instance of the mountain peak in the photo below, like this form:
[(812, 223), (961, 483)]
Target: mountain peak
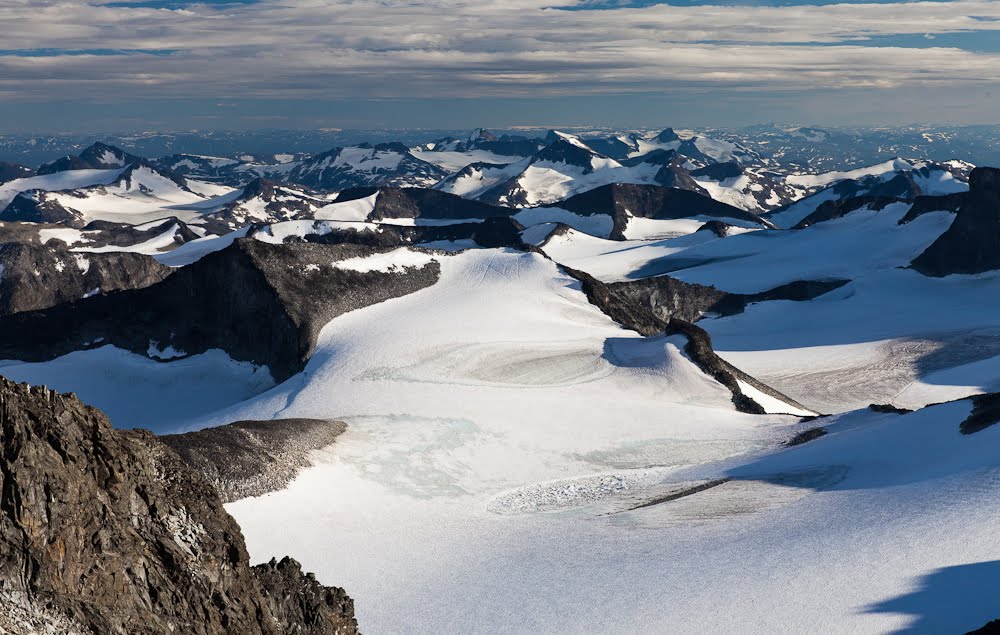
[(666, 136), (481, 134)]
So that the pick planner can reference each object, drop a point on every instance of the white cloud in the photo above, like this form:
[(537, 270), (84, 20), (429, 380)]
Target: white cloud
[(518, 48)]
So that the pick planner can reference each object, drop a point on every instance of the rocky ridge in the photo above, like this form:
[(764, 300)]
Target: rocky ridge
[(108, 531)]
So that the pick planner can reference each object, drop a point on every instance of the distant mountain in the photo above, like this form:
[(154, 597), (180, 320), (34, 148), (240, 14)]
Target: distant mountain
[(98, 156), (482, 139), (261, 201), (363, 165), (569, 165), (11, 171), (898, 178)]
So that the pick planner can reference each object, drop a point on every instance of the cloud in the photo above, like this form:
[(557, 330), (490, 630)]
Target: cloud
[(315, 49)]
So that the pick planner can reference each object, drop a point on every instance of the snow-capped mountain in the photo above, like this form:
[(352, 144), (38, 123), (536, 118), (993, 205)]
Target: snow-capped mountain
[(481, 141), (897, 178), (364, 165), (135, 194), (198, 166), (260, 201), (563, 168), (569, 166), (98, 156)]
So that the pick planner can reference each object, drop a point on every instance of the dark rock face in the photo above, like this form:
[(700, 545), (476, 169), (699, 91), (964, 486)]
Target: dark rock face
[(11, 171), (972, 243), (108, 531), (511, 146), (200, 167), (562, 151), (96, 233), (498, 231), (612, 147), (806, 436), (300, 603), (717, 227), (39, 277), (925, 204), (648, 305), (719, 171), (985, 413), (260, 303), (622, 200), (34, 206), (416, 202), (797, 291), (482, 139), (672, 172), (699, 350), (888, 409), (251, 458), (664, 305), (990, 628), (667, 135)]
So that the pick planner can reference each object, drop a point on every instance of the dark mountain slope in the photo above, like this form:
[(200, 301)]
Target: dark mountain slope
[(107, 531), (37, 277), (259, 302), (972, 243), (417, 202), (622, 200), (98, 156)]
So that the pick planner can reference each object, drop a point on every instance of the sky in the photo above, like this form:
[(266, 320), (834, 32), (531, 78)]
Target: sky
[(100, 65)]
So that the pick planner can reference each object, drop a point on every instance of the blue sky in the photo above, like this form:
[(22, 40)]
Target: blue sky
[(82, 66)]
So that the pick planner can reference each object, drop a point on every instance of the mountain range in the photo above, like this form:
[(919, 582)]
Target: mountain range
[(612, 381)]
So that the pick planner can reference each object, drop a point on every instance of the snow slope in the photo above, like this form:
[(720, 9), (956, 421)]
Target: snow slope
[(487, 476), (70, 179), (514, 381), (827, 532), (847, 247), (455, 161), (138, 392)]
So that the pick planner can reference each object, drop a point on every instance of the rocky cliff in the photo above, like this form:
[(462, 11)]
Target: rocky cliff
[(972, 243), (259, 302), (107, 531)]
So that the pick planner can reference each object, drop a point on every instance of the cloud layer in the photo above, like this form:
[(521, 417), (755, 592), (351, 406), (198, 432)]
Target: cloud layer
[(362, 49)]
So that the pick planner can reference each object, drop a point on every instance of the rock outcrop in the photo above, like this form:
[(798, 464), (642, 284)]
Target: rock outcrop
[(652, 306), (418, 202), (259, 302), (251, 458), (839, 208), (985, 413), (972, 243), (647, 305), (36, 206), (39, 277), (109, 531), (11, 171), (622, 201)]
